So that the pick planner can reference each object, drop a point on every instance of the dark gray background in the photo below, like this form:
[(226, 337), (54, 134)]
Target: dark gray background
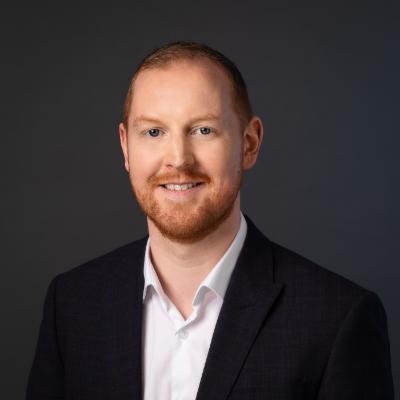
[(324, 77)]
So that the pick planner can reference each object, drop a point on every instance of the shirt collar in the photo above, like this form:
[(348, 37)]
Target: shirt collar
[(217, 279)]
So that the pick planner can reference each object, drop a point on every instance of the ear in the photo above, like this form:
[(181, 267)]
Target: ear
[(252, 139), (123, 137)]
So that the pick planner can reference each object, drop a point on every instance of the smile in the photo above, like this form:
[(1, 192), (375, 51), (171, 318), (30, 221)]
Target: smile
[(180, 187)]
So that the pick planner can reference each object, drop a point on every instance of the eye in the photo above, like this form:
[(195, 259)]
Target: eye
[(154, 132), (205, 130)]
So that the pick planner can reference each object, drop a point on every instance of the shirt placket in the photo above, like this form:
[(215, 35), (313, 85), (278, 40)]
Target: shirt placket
[(181, 374)]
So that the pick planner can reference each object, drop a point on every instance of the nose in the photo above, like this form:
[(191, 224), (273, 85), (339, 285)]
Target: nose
[(179, 152)]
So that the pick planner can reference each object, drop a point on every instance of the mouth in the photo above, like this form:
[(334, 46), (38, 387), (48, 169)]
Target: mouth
[(178, 187)]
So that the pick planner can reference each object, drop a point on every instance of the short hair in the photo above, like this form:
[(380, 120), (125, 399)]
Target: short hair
[(183, 50)]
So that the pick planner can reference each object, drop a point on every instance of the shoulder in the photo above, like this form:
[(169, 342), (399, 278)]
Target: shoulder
[(312, 295), (293, 267), (121, 263), (313, 287), (301, 275)]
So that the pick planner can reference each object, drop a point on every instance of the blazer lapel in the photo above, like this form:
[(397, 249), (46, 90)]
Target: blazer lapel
[(125, 323), (248, 299)]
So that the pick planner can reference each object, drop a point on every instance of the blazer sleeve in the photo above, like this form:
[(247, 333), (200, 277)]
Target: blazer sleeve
[(359, 365), (45, 379)]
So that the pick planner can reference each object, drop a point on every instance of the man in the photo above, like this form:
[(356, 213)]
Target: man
[(205, 307)]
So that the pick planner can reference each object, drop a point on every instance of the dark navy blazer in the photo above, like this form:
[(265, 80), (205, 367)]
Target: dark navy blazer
[(288, 329)]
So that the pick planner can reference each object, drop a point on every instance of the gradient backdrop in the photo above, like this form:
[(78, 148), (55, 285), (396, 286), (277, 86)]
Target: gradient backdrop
[(324, 77)]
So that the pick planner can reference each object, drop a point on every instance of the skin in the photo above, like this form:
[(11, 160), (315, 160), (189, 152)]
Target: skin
[(189, 230)]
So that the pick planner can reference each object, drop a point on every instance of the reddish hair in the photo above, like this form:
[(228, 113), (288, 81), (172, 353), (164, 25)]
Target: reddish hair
[(176, 51)]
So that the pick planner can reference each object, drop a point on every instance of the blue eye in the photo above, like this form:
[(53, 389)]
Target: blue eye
[(205, 130), (154, 132)]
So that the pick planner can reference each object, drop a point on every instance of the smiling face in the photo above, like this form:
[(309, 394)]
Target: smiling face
[(183, 148)]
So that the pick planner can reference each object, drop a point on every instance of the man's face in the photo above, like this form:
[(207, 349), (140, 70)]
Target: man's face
[(183, 130)]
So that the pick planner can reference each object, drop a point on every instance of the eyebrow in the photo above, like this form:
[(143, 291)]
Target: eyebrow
[(206, 117)]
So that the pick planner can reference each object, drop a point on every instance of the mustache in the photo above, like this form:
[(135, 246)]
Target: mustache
[(189, 176)]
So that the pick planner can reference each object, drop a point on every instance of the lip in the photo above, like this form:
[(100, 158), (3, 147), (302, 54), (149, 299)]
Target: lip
[(180, 183), (181, 194)]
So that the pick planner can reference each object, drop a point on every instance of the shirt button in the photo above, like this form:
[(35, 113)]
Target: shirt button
[(182, 334)]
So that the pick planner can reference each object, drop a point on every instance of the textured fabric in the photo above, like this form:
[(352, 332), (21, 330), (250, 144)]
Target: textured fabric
[(175, 349), (288, 329)]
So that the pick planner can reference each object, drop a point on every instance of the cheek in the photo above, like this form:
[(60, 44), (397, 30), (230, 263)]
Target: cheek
[(222, 163), (142, 165)]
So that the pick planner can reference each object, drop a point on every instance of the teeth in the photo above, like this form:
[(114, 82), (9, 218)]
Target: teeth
[(180, 187)]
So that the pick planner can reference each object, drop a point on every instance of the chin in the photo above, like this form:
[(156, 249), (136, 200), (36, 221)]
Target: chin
[(190, 226)]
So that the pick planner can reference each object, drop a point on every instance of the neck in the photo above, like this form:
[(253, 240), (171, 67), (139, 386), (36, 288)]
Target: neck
[(181, 267)]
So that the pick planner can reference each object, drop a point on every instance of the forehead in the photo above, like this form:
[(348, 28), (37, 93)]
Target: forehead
[(184, 86)]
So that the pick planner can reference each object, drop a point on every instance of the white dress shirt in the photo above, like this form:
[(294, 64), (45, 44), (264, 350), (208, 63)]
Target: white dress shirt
[(174, 350)]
